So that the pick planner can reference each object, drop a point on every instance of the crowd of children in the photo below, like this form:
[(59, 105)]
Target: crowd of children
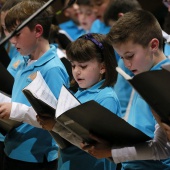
[(99, 36)]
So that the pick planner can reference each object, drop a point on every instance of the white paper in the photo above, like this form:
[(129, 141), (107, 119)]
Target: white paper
[(66, 101), (40, 90), (122, 72)]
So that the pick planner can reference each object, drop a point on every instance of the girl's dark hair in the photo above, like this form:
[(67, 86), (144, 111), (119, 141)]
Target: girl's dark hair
[(91, 46)]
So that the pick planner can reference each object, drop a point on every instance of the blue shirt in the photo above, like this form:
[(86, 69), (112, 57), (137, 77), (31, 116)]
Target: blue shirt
[(141, 117), (27, 143), (122, 88), (15, 64), (73, 158), (99, 27), (73, 30), (167, 49)]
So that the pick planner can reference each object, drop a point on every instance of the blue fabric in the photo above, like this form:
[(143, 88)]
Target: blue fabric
[(12, 50), (2, 137), (99, 27), (27, 143), (122, 88), (141, 117), (15, 64), (167, 49), (73, 158), (72, 29)]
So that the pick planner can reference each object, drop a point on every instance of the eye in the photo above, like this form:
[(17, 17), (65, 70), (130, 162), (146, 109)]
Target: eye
[(129, 57), (17, 34), (73, 66), (83, 67)]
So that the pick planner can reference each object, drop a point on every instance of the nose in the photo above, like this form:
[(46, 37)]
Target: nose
[(76, 70), (127, 63), (13, 40)]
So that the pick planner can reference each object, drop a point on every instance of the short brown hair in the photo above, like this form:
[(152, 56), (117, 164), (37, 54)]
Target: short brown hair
[(20, 12), (138, 26)]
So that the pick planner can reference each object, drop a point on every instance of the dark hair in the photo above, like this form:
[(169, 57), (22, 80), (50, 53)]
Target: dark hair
[(138, 26), (9, 4), (85, 49), (119, 6), (84, 2), (20, 12)]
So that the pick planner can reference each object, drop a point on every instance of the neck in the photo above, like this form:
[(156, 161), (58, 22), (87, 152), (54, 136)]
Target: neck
[(40, 49)]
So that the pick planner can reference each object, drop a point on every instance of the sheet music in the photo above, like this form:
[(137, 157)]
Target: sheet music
[(66, 101), (40, 90), (4, 98)]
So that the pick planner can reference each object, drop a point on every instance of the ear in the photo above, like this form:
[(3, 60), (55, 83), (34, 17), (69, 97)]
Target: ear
[(38, 30), (102, 68), (154, 44), (120, 14), (66, 13)]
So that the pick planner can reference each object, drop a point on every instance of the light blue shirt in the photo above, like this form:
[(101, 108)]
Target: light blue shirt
[(99, 27), (15, 64), (122, 88), (27, 143), (167, 49), (141, 117), (73, 158), (72, 29)]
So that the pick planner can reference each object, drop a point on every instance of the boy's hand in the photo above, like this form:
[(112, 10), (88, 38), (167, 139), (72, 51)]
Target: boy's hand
[(47, 123), (5, 110), (101, 149)]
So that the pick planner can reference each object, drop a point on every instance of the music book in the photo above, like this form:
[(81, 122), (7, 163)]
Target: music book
[(154, 87), (7, 80), (6, 124), (82, 118), (4, 59)]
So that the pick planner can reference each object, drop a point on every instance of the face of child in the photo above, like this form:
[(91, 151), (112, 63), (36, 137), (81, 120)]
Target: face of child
[(100, 7), (72, 12), (135, 57), (86, 16), (87, 74), (25, 41)]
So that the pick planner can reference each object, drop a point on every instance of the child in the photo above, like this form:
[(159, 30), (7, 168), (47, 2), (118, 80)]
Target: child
[(137, 38), (98, 25), (72, 26), (27, 147), (16, 58), (86, 14), (114, 11), (93, 67)]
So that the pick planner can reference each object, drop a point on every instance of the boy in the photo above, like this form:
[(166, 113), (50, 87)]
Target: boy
[(86, 14), (98, 25), (137, 38), (27, 147), (72, 26)]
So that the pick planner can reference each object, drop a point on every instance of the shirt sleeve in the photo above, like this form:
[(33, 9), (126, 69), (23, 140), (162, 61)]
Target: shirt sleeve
[(23, 113), (156, 149)]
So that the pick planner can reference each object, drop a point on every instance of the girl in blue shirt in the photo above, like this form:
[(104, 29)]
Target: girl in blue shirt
[(93, 68)]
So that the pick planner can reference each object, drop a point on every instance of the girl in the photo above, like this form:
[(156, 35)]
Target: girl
[(93, 67)]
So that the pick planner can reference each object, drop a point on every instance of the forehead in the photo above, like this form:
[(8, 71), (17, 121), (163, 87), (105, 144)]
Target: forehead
[(99, 2)]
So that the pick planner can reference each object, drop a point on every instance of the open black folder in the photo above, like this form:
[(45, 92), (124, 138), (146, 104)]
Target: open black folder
[(82, 118), (7, 80), (154, 88)]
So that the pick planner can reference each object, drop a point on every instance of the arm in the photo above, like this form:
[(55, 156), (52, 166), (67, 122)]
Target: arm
[(19, 112), (156, 149)]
